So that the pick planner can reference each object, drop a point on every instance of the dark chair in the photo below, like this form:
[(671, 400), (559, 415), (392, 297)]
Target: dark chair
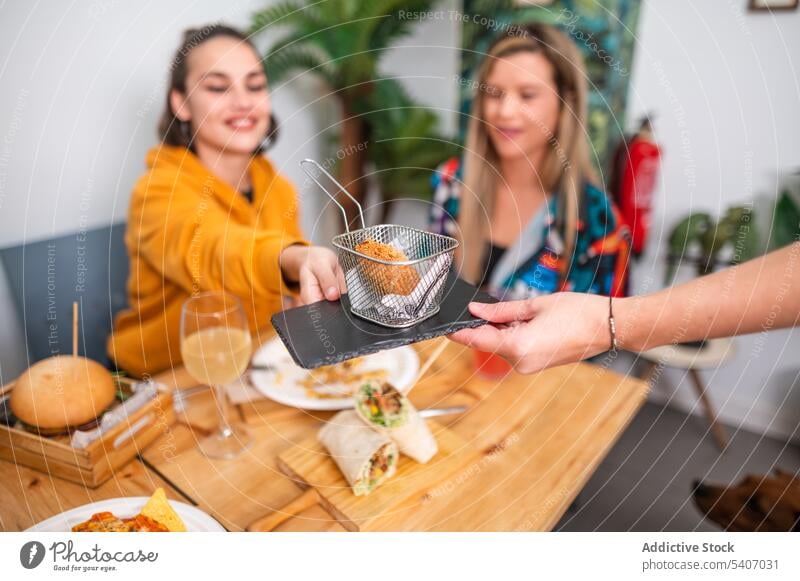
[(45, 277)]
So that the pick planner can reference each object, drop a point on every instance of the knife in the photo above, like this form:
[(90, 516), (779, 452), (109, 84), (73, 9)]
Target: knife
[(182, 394), (434, 412), (261, 367)]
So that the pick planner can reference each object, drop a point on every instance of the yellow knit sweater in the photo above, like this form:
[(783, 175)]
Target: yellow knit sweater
[(190, 232)]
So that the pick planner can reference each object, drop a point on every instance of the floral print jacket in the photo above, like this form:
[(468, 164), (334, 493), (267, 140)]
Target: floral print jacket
[(601, 254)]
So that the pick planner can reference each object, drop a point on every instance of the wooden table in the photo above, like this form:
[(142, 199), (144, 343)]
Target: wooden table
[(537, 439)]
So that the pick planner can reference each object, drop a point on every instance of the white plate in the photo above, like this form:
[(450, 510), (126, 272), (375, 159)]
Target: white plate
[(281, 385), (196, 520)]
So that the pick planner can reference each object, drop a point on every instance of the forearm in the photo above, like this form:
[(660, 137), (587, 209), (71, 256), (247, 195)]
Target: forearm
[(761, 294), (200, 248)]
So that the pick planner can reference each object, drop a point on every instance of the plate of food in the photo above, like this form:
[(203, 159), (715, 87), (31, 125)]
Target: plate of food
[(131, 515), (330, 387)]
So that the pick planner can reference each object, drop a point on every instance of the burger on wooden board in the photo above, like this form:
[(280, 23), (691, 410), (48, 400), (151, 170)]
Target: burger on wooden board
[(62, 393)]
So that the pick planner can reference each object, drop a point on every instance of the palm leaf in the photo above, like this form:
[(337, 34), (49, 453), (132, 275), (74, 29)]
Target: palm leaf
[(406, 148), (299, 57), (285, 13), (342, 41), (384, 16), (471, 30), (409, 175), (387, 94), (296, 39), (388, 30)]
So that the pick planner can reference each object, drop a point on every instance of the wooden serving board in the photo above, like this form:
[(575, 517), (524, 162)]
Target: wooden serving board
[(309, 464), (93, 465)]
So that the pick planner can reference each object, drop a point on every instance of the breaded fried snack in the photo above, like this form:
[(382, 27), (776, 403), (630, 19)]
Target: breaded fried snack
[(388, 279)]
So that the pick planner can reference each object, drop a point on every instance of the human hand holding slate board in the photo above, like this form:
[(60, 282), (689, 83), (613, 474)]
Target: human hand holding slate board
[(326, 332)]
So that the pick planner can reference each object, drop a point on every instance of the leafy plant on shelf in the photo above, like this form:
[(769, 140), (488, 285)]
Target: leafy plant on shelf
[(342, 43), (406, 144), (786, 223), (699, 240)]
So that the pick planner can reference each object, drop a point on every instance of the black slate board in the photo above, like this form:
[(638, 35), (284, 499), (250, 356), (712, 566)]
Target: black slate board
[(327, 332)]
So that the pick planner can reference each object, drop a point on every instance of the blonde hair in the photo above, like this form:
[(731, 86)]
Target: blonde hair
[(566, 165)]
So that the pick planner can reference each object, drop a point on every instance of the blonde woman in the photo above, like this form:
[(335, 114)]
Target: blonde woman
[(524, 201)]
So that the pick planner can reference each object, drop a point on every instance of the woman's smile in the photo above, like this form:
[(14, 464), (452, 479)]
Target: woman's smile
[(242, 122), (510, 132)]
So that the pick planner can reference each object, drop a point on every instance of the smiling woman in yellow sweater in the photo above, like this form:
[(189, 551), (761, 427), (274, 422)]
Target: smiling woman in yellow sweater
[(211, 212)]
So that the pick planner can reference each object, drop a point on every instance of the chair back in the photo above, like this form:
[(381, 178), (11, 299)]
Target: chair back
[(45, 277)]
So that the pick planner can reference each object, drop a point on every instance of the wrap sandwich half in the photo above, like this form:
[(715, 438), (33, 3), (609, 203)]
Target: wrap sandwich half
[(365, 457), (384, 408)]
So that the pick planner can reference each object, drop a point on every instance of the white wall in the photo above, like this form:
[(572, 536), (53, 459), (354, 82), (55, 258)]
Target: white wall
[(724, 85)]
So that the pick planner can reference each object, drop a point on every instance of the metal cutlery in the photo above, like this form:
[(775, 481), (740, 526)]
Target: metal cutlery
[(435, 412), (182, 394)]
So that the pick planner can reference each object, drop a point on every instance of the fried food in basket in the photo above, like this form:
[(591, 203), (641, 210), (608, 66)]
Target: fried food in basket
[(387, 279)]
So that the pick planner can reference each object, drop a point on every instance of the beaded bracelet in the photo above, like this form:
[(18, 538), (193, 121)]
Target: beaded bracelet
[(612, 326)]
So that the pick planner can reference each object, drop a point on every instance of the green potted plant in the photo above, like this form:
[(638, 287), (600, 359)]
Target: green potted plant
[(699, 240), (342, 42), (786, 220)]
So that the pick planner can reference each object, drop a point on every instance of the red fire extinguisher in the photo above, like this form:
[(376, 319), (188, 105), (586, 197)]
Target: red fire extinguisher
[(636, 164)]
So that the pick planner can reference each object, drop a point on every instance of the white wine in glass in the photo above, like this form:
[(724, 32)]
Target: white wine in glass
[(216, 349)]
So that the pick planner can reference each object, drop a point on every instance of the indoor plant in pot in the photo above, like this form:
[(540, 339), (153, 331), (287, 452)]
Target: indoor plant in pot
[(342, 42)]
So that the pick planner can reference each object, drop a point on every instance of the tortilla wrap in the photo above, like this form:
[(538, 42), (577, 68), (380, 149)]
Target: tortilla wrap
[(356, 448), (406, 428)]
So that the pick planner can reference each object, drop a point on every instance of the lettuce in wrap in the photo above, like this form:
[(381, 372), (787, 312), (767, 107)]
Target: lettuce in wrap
[(381, 405), (385, 409), (365, 456)]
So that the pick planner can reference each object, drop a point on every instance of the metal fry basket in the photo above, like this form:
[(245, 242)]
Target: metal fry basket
[(381, 288)]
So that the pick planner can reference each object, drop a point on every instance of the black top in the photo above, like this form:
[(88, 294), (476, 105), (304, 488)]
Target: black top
[(248, 195), (493, 256)]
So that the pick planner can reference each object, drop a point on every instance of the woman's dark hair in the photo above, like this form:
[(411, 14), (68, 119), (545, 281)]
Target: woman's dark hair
[(172, 130)]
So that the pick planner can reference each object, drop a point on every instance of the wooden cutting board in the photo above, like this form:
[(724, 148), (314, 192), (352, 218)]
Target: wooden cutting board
[(309, 464)]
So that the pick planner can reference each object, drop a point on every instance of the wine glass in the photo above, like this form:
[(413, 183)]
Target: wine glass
[(216, 349)]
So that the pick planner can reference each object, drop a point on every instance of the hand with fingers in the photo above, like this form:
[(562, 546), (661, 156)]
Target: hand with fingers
[(541, 332), (316, 269), (566, 327)]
